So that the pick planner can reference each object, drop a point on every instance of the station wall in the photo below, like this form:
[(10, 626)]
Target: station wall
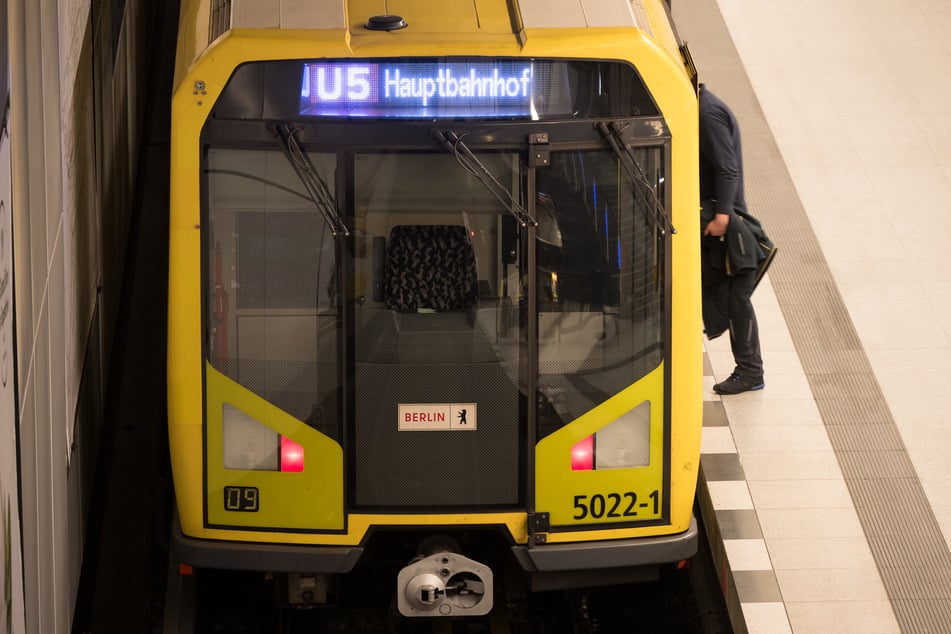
[(77, 86)]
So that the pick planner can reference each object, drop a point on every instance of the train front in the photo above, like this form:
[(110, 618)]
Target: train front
[(437, 307)]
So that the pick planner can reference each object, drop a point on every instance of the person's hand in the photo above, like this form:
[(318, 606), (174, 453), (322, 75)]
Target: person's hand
[(717, 226)]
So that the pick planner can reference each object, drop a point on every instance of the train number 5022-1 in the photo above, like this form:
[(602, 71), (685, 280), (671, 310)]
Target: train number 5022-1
[(612, 505)]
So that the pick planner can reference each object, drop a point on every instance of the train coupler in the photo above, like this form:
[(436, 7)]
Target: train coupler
[(444, 584)]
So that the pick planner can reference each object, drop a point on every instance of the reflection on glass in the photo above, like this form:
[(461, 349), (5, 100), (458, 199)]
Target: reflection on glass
[(600, 296), (438, 291), (272, 324), (436, 286)]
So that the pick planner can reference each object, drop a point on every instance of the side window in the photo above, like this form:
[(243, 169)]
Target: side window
[(271, 296), (599, 266)]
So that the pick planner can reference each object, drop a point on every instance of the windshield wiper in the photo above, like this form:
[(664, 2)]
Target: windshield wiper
[(654, 211), (469, 162), (317, 190)]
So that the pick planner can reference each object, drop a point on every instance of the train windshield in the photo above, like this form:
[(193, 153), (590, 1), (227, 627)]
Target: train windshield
[(373, 282)]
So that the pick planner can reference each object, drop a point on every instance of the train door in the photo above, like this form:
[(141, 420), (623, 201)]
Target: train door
[(437, 336)]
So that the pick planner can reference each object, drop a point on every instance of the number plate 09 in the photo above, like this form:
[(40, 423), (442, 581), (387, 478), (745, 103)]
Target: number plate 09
[(241, 499)]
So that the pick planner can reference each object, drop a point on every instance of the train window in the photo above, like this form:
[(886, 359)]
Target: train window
[(600, 320), (272, 306), (434, 275), (276, 258)]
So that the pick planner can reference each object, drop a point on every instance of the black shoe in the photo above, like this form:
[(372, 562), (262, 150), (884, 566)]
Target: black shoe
[(736, 383)]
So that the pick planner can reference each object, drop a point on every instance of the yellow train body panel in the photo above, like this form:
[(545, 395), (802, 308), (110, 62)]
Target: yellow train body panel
[(583, 500)]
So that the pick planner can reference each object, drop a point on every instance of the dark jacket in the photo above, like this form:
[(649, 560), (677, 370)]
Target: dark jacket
[(746, 246), (721, 155)]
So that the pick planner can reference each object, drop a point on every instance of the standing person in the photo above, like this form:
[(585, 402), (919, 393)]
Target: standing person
[(727, 285)]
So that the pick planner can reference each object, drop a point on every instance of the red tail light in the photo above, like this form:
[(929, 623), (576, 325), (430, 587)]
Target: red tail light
[(582, 455), (292, 456)]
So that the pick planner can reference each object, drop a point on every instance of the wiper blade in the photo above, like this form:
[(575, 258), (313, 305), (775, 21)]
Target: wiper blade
[(655, 211), (317, 190), (470, 162)]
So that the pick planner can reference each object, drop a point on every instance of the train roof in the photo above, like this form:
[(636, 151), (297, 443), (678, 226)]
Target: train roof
[(476, 14), (464, 15), (440, 26)]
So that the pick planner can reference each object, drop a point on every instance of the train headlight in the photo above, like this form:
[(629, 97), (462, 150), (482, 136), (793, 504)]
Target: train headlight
[(250, 445), (623, 444)]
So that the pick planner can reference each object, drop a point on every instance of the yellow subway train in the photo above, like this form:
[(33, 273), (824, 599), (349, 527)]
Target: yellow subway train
[(434, 294)]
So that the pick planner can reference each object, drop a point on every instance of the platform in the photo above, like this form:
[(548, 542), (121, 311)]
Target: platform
[(831, 488)]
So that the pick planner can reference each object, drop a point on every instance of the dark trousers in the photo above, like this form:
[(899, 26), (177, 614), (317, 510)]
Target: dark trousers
[(727, 306)]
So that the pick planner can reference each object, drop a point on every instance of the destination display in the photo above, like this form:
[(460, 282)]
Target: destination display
[(435, 89)]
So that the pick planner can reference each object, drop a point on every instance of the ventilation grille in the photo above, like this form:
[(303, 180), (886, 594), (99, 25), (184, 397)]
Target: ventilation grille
[(220, 19)]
